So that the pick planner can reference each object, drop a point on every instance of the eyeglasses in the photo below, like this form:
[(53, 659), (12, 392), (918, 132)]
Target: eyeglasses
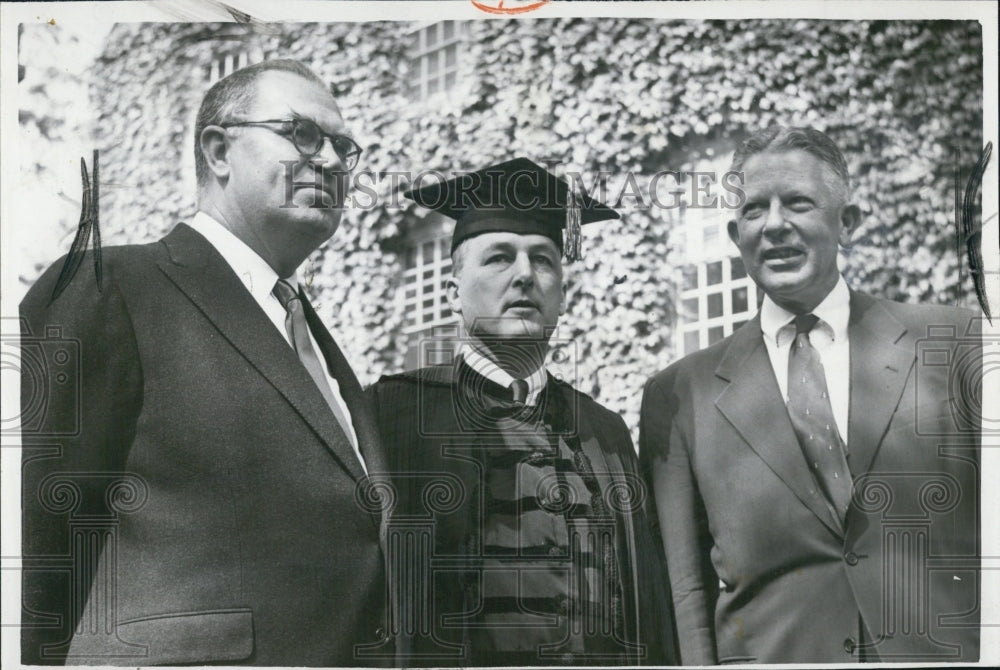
[(308, 138)]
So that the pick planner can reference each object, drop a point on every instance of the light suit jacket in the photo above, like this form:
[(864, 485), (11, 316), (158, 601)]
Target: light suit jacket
[(760, 571)]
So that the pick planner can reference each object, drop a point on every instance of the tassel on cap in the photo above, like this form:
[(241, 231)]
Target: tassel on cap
[(573, 242)]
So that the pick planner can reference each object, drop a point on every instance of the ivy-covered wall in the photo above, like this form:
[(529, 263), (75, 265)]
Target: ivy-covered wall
[(903, 100)]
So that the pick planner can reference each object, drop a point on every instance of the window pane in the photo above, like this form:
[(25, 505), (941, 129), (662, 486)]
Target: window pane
[(690, 341), (449, 29), (411, 293), (715, 334), (450, 55), (432, 86), (428, 250), (690, 309), (690, 277), (739, 300), (710, 235), (449, 81), (714, 305), (428, 302), (411, 258), (428, 273), (736, 268), (713, 273)]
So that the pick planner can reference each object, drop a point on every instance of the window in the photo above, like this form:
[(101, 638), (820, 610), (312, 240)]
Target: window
[(435, 59), (223, 65), (716, 298), (716, 295), (422, 298), (427, 267)]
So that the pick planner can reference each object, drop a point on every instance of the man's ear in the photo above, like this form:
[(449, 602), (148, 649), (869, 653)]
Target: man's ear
[(733, 229), (850, 218), (215, 147), (451, 292)]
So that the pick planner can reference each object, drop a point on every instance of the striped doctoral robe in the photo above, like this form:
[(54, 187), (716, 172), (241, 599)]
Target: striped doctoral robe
[(518, 537)]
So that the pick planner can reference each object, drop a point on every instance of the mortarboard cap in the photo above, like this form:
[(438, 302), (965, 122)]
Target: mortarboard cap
[(517, 196)]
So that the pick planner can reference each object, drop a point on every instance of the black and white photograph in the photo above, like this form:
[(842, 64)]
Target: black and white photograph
[(499, 333)]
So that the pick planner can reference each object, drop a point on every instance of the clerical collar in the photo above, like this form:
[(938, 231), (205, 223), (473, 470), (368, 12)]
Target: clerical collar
[(477, 357), (833, 312)]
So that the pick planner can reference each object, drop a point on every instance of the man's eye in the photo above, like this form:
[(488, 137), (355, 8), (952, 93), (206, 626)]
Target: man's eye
[(800, 204), (542, 259), (751, 213), (498, 258), (306, 132)]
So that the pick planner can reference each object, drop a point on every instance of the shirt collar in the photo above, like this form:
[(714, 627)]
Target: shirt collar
[(833, 312), (252, 270), (477, 357)]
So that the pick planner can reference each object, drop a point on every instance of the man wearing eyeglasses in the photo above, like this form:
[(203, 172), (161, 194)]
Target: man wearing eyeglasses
[(219, 434)]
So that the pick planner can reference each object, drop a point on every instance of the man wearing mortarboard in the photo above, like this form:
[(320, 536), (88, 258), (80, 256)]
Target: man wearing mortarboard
[(521, 534)]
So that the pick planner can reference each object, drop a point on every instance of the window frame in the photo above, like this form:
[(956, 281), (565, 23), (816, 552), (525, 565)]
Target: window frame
[(420, 59)]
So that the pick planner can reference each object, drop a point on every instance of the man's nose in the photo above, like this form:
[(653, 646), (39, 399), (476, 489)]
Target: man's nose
[(775, 221), (524, 274)]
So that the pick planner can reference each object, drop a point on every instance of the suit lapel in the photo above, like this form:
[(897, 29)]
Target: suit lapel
[(880, 365), (198, 270), (753, 404), (358, 404)]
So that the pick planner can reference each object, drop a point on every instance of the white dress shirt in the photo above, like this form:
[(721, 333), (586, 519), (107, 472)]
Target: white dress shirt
[(259, 279), (477, 358), (828, 337)]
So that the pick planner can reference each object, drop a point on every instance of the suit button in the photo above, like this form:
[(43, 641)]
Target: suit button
[(380, 633), (849, 645), (851, 558)]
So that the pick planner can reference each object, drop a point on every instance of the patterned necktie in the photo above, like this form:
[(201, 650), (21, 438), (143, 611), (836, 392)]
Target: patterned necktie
[(812, 418), (298, 333)]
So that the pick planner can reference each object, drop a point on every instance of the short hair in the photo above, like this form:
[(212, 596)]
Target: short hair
[(780, 138), (233, 95)]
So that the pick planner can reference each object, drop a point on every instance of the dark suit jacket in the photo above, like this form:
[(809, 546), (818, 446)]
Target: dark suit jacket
[(190, 468), (758, 569), (431, 440)]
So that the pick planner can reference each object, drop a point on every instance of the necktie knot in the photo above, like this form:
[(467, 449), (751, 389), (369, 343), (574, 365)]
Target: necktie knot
[(519, 391), (804, 323), (284, 292)]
